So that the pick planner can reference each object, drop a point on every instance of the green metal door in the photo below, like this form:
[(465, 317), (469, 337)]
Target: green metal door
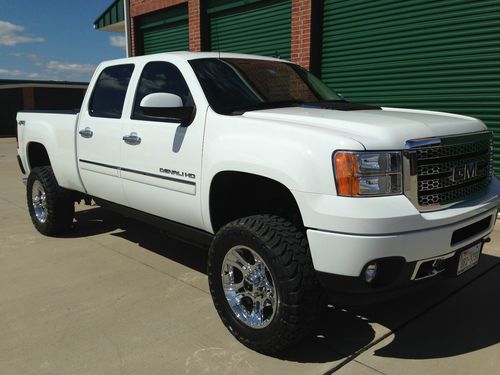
[(167, 31), (255, 27), (436, 55)]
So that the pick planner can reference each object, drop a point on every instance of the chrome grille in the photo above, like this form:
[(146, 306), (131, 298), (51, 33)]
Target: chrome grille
[(449, 169), (433, 152)]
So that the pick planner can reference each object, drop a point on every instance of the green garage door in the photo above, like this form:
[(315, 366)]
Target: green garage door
[(261, 28), (437, 55), (166, 31)]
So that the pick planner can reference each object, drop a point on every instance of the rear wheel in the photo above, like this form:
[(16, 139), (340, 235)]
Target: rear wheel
[(263, 283), (51, 207)]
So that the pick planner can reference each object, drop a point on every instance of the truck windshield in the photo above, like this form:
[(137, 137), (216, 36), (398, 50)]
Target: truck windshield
[(234, 86)]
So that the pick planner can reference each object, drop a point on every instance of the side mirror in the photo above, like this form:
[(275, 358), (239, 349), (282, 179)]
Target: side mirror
[(164, 106)]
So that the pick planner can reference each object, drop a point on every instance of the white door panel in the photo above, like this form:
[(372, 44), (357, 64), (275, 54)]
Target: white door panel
[(158, 181), (161, 160), (160, 175), (99, 158), (100, 132)]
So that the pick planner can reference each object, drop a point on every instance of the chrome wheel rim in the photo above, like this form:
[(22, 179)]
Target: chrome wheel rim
[(249, 287), (39, 201)]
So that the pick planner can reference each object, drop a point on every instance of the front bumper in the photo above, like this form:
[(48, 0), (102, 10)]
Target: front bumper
[(347, 254), (390, 228)]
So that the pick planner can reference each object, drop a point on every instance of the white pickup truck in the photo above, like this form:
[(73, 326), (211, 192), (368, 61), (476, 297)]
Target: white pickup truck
[(296, 190)]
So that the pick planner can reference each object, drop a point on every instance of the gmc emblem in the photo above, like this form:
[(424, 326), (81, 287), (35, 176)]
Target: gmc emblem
[(465, 172)]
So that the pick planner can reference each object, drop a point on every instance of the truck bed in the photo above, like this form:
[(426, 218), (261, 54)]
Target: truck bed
[(55, 130)]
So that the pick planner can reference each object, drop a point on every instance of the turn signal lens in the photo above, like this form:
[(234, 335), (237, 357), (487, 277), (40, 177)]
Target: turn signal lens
[(367, 173), (347, 169)]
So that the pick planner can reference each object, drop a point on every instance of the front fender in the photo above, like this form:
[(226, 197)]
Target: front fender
[(298, 157)]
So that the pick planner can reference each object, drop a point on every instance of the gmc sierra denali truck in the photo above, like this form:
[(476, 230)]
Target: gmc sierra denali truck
[(296, 190)]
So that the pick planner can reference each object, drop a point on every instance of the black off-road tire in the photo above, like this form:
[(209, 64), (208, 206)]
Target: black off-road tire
[(285, 251), (60, 206)]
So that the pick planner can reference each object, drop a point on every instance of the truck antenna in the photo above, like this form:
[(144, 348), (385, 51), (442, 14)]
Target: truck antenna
[(217, 37)]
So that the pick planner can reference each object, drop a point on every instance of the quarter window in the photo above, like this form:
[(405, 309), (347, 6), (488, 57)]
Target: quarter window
[(110, 90)]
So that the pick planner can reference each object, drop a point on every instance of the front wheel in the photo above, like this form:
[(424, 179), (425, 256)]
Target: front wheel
[(263, 283), (51, 207)]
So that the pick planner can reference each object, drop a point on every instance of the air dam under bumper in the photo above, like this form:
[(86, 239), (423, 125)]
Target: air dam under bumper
[(347, 254)]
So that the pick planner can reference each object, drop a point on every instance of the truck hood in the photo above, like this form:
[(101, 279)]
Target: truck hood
[(388, 128)]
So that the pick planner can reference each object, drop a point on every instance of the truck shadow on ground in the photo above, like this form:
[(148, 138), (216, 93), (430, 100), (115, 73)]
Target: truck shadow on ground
[(446, 318)]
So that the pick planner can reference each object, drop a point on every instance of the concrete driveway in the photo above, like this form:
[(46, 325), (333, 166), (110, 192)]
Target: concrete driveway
[(118, 297)]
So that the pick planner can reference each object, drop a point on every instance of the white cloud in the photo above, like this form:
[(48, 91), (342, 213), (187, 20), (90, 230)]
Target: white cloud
[(20, 74), (11, 72), (69, 67), (10, 35), (117, 41), (51, 70), (34, 58)]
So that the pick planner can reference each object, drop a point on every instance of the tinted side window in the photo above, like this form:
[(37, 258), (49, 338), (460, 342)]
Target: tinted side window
[(109, 92), (224, 87), (160, 76)]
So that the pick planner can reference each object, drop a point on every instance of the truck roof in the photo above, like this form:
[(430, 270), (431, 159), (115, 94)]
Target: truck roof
[(186, 55)]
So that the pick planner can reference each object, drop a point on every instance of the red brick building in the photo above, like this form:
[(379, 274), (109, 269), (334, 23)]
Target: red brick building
[(281, 28)]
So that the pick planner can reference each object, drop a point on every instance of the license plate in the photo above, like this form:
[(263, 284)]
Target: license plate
[(469, 258)]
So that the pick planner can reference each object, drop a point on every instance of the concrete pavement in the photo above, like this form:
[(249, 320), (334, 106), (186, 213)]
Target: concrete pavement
[(117, 297)]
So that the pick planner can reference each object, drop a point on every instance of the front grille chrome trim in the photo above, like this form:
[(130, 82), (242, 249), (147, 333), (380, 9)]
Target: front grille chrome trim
[(440, 148)]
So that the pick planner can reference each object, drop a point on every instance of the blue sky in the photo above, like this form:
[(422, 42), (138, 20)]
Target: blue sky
[(54, 39)]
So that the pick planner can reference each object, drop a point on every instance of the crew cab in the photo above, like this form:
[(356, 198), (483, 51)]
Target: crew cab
[(294, 190)]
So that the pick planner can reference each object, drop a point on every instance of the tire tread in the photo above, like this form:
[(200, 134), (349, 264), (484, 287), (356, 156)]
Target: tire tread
[(60, 205), (304, 296)]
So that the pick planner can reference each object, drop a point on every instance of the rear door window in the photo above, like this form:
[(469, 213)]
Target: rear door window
[(110, 90)]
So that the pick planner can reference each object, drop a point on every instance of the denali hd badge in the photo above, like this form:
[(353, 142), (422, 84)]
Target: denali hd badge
[(177, 173), (464, 172)]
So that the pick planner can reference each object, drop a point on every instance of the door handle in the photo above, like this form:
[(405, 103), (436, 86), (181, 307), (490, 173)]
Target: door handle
[(86, 133), (132, 139)]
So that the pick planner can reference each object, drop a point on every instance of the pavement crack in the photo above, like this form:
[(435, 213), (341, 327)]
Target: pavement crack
[(370, 367), (353, 356)]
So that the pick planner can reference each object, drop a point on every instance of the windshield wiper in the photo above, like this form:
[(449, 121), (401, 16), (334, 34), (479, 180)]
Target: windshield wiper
[(264, 105)]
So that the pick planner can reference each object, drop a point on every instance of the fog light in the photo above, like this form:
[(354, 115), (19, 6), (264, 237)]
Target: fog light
[(371, 272)]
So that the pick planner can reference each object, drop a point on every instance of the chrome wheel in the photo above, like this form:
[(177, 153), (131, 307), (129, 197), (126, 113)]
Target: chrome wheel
[(39, 201), (249, 287)]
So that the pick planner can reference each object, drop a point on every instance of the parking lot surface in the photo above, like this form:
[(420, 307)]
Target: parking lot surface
[(115, 296)]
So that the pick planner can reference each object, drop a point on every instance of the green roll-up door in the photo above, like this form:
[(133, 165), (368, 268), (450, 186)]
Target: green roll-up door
[(261, 28), (436, 55), (166, 31)]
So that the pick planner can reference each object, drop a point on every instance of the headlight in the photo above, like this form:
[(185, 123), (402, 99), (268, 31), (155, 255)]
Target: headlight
[(367, 173)]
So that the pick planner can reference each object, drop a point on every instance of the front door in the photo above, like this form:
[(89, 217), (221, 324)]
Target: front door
[(161, 161)]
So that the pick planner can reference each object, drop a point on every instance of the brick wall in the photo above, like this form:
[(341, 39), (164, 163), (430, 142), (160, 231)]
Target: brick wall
[(301, 32), (194, 25), (132, 37), (301, 25), (139, 7), (29, 97)]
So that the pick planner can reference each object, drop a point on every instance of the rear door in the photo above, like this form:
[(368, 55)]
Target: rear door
[(99, 135), (161, 170)]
